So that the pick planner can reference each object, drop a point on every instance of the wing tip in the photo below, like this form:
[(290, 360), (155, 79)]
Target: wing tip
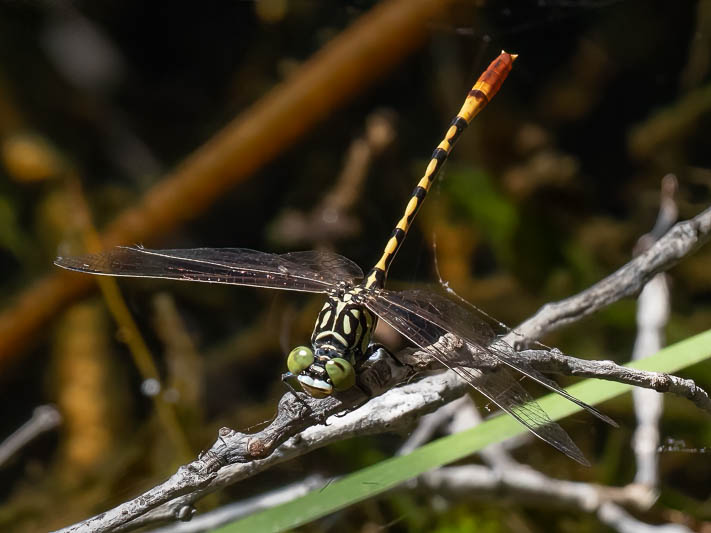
[(596, 412), (580, 459), (64, 262)]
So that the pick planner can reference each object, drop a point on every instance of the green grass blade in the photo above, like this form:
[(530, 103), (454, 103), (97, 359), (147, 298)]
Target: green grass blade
[(385, 475)]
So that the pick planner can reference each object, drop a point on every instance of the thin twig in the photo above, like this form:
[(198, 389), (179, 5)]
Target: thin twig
[(233, 511), (130, 332), (44, 418), (331, 219), (555, 362), (495, 455), (523, 485), (526, 485), (429, 424), (683, 239), (653, 309), (300, 427), (297, 429)]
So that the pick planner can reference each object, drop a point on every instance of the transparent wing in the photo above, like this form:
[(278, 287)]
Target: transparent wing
[(452, 335), (296, 271), (452, 317), (504, 390)]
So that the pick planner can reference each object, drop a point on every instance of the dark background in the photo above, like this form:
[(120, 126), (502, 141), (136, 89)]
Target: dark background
[(546, 193)]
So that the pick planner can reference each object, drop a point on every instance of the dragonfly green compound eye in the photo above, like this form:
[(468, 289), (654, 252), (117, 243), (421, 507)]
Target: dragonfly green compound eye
[(341, 373), (300, 358)]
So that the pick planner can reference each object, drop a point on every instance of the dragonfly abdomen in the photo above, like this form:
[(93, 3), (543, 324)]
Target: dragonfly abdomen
[(481, 93)]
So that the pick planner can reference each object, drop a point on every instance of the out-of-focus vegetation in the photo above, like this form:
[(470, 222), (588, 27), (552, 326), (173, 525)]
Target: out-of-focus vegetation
[(100, 103)]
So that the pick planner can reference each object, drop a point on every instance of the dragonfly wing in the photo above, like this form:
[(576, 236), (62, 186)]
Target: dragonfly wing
[(452, 317), (504, 390), (420, 317), (504, 352), (296, 271)]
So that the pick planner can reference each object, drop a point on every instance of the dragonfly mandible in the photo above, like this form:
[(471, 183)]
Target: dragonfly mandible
[(341, 340)]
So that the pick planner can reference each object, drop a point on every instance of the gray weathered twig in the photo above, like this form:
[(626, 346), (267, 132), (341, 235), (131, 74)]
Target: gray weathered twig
[(555, 362), (44, 418), (234, 511), (521, 484), (683, 239), (653, 310)]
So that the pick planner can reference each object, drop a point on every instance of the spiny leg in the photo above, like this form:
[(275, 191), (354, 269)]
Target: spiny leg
[(285, 377)]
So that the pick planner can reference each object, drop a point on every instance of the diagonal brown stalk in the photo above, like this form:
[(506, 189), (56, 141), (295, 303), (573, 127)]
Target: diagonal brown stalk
[(358, 56)]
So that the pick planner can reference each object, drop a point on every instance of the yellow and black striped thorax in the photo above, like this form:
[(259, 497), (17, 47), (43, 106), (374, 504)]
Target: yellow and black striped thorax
[(344, 327)]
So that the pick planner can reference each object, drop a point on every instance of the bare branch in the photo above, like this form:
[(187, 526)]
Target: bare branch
[(44, 418), (521, 484), (526, 485), (302, 424), (617, 518), (555, 362), (431, 423), (298, 429), (653, 309), (683, 239), (233, 511)]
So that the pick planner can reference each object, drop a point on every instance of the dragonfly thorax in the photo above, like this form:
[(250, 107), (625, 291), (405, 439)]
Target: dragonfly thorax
[(344, 327), (340, 339)]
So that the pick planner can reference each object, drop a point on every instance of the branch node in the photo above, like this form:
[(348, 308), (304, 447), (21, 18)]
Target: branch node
[(185, 513), (258, 449)]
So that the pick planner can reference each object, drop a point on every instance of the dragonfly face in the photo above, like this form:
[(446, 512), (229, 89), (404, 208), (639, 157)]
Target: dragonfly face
[(340, 342)]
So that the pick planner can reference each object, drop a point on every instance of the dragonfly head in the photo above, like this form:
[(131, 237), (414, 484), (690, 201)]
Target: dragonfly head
[(320, 377)]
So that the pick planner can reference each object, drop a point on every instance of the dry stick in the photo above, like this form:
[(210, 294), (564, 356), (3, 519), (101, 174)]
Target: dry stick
[(44, 418), (131, 335), (234, 511), (236, 456), (652, 316), (503, 479), (429, 424), (653, 309), (555, 362), (330, 219), (358, 56), (515, 484), (683, 239), (524, 485)]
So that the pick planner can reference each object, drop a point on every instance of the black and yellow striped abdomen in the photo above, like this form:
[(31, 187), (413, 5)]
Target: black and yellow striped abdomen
[(484, 90)]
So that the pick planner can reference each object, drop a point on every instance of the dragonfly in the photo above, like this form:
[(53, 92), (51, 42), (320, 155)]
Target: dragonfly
[(342, 337)]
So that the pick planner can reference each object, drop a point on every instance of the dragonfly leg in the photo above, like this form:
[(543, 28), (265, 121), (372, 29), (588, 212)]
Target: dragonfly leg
[(376, 369), (375, 352), (285, 377)]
